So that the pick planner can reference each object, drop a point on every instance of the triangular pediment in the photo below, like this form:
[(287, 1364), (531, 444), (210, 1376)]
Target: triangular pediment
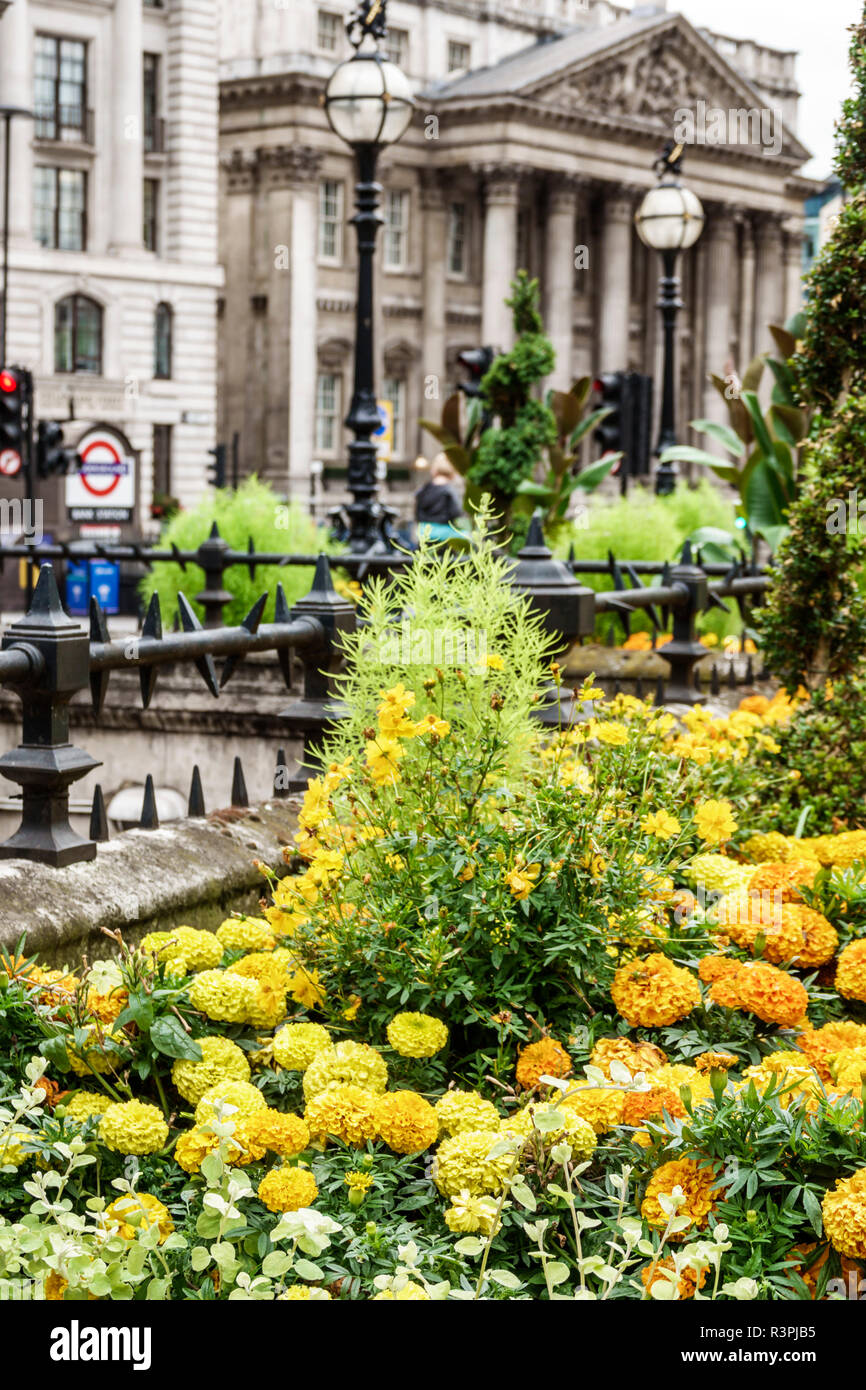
[(671, 70)]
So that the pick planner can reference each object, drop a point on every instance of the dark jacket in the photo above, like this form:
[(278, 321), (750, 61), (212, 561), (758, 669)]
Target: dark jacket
[(436, 502)]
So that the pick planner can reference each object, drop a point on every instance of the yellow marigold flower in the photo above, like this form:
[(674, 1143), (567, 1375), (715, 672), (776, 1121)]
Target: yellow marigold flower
[(223, 996), (522, 879), (106, 1007), (296, 1044), (718, 873), (714, 821), (383, 755), (85, 1104), (137, 1211), (463, 1163), (358, 1182), (468, 1214), (851, 971), (193, 1147), (611, 732), (410, 1292), (822, 1046), (697, 1185), (245, 934), (133, 1127), (640, 1106), (544, 1058), (221, 1060), (844, 1210), (348, 1063), (302, 1293), (237, 1099), (272, 966), (660, 825), (344, 1112), (716, 1061), (268, 1129), (186, 948), (406, 1121), (12, 1151), (459, 1111), (785, 879), (677, 1074), (288, 1189), (653, 992), (417, 1035), (571, 1128), (635, 1056), (600, 1106), (789, 931), (849, 1068), (432, 724)]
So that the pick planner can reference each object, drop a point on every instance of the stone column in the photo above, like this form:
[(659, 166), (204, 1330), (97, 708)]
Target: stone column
[(746, 319), (435, 253), (126, 142), (303, 314), (793, 257), (241, 180), (769, 280), (615, 303), (559, 276), (501, 199), (16, 89), (720, 242)]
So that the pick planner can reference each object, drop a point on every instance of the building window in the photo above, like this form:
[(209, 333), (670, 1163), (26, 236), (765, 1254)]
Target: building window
[(459, 56), (60, 88), (161, 462), (396, 230), (457, 239), (395, 391), (162, 341), (397, 46), (151, 214), (60, 208), (331, 221), (77, 335), (328, 31), (327, 413), (154, 142)]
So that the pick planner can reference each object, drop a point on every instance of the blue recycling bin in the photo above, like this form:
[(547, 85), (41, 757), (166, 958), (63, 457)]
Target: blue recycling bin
[(99, 579)]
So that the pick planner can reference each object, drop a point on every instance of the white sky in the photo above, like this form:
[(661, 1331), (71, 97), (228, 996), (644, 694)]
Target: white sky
[(817, 30)]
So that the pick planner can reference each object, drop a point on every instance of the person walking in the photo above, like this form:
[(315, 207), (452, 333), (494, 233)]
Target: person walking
[(437, 504)]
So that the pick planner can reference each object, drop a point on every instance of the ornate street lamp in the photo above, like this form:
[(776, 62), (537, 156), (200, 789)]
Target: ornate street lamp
[(669, 220), (369, 104)]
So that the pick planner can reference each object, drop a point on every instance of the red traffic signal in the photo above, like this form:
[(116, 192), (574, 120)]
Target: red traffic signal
[(9, 382)]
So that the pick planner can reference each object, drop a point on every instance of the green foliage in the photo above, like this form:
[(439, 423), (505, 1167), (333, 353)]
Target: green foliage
[(253, 511), (823, 754)]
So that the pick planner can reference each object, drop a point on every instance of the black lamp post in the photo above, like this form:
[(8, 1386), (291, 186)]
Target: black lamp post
[(369, 104), (669, 220), (8, 114)]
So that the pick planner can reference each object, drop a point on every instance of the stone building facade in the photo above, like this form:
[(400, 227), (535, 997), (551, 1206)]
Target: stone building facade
[(532, 145), (114, 272)]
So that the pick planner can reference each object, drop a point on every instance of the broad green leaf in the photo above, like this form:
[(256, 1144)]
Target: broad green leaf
[(169, 1037), (307, 1270), (723, 433), (596, 473), (585, 427), (759, 425), (469, 1245)]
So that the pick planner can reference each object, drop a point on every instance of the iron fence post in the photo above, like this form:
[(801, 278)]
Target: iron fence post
[(211, 556), (685, 651)]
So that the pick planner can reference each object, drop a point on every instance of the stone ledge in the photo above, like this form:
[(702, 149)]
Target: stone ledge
[(193, 871)]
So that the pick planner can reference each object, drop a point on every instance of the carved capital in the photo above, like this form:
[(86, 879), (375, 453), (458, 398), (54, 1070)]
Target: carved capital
[(289, 166), (241, 169)]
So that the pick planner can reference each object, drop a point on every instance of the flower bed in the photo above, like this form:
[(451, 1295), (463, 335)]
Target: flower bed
[(532, 1016)]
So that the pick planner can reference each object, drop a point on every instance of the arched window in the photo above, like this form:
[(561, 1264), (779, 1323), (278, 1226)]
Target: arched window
[(162, 345), (78, 335)]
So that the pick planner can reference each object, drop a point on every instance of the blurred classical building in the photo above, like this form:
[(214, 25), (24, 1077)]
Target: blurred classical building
[(114, 272), (533, 142)]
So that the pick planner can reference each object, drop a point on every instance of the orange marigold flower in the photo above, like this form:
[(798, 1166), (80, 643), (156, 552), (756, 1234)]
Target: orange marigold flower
[(697, 1186), (851, 971), (844, 1211), (600, 1106), (715, 1061), (648, 1105), (821, 1045), (789, 931), (712, 968), (544, 1058), (653, 992), (771, 994), (687, 1282), (784, 878)]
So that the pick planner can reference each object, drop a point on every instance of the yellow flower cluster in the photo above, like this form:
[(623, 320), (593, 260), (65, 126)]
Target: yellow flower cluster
[(297, 1044), (245, 934), (222, 1060), (694, 1181), (653, 992), (462, 1111), (133, 1127), (417, 1035), (186, 950), (349, 1064), (288, 1189), (464, 1163), (844, 1211)]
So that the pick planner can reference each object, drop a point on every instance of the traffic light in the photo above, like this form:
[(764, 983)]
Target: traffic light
[(15, 387), (51, 454), (477, 362), (217, 469), (610, 388)]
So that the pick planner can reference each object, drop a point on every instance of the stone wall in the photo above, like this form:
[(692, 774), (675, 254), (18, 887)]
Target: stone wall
[(195, 872)]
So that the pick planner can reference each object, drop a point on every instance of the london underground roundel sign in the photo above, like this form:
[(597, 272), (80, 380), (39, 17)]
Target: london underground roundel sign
[(103, 488)]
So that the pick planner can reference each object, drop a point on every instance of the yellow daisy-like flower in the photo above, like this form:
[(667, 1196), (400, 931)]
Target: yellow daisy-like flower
[(417, 1035), (522, 879), (660, 825), (714, 822), (137, 1211), (468, 1214), (288, 1189), (432, 724), (493, 662), (383, 755), (611, 732)]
